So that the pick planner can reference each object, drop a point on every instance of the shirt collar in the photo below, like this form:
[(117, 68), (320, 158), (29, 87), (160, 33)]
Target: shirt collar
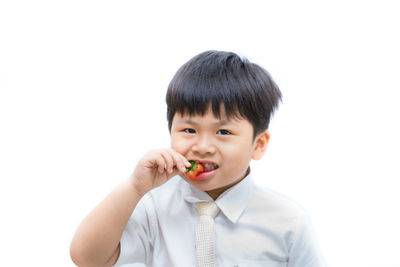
[(232, 202)]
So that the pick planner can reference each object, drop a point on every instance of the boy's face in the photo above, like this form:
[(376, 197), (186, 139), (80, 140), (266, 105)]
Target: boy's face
[(227, 143)]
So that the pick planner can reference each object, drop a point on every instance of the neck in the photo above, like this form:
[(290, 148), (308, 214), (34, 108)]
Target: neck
[(215, 193)]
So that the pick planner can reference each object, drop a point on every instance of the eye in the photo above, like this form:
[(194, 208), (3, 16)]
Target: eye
[(189, 130), (224, 132)]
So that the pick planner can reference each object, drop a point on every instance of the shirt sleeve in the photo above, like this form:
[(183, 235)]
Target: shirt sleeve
[(136, 241), (305, 251)]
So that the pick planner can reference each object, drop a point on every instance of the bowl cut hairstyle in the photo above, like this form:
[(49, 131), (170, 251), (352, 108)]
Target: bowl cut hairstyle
[(245, 89)]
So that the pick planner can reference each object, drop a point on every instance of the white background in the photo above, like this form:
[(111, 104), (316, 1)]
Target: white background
[(82, 98)]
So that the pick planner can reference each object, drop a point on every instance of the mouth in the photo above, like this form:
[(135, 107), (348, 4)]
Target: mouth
[(201, 170), (208, 165)]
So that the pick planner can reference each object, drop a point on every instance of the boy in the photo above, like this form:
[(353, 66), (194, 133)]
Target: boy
[(219, 108)]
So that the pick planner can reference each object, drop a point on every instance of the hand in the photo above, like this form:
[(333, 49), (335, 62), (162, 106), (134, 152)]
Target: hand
[(156, 167)]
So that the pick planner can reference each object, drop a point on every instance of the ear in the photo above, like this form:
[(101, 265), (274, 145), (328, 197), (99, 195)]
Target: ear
[(260, 145)]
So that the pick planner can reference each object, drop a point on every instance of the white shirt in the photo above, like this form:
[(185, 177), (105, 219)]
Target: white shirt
[(256, 227)]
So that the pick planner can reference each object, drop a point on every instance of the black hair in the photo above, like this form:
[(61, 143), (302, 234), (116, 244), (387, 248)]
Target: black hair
[(217, 77)]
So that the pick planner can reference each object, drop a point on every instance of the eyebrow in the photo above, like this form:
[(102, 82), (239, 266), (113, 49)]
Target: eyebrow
[(218, 123)]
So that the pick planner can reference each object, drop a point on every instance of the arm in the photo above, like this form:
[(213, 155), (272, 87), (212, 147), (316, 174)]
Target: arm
[(305, 251), (97, 239)]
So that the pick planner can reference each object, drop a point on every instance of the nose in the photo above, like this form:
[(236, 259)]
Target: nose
[(204, 145)]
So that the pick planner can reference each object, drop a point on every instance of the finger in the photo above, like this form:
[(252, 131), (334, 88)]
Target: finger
[(169, 161), (160, 164), (186, 162), (180, 162)]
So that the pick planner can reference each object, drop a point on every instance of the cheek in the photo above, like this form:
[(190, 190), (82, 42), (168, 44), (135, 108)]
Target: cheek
[(235, 149), (237, 155), (178, 145)]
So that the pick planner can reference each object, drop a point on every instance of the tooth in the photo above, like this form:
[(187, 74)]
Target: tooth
[(210, 166)]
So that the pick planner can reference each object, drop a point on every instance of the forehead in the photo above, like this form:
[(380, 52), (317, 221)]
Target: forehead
[(208, 114), (218, 112), (209, 118)]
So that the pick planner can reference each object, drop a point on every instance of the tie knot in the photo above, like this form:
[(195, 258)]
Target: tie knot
[(208, 209)]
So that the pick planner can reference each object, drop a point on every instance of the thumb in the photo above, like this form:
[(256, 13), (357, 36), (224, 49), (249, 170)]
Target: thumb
[(175, 172)]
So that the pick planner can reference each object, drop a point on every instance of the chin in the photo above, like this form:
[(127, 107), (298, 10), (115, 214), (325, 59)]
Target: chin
[(201, 185)]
